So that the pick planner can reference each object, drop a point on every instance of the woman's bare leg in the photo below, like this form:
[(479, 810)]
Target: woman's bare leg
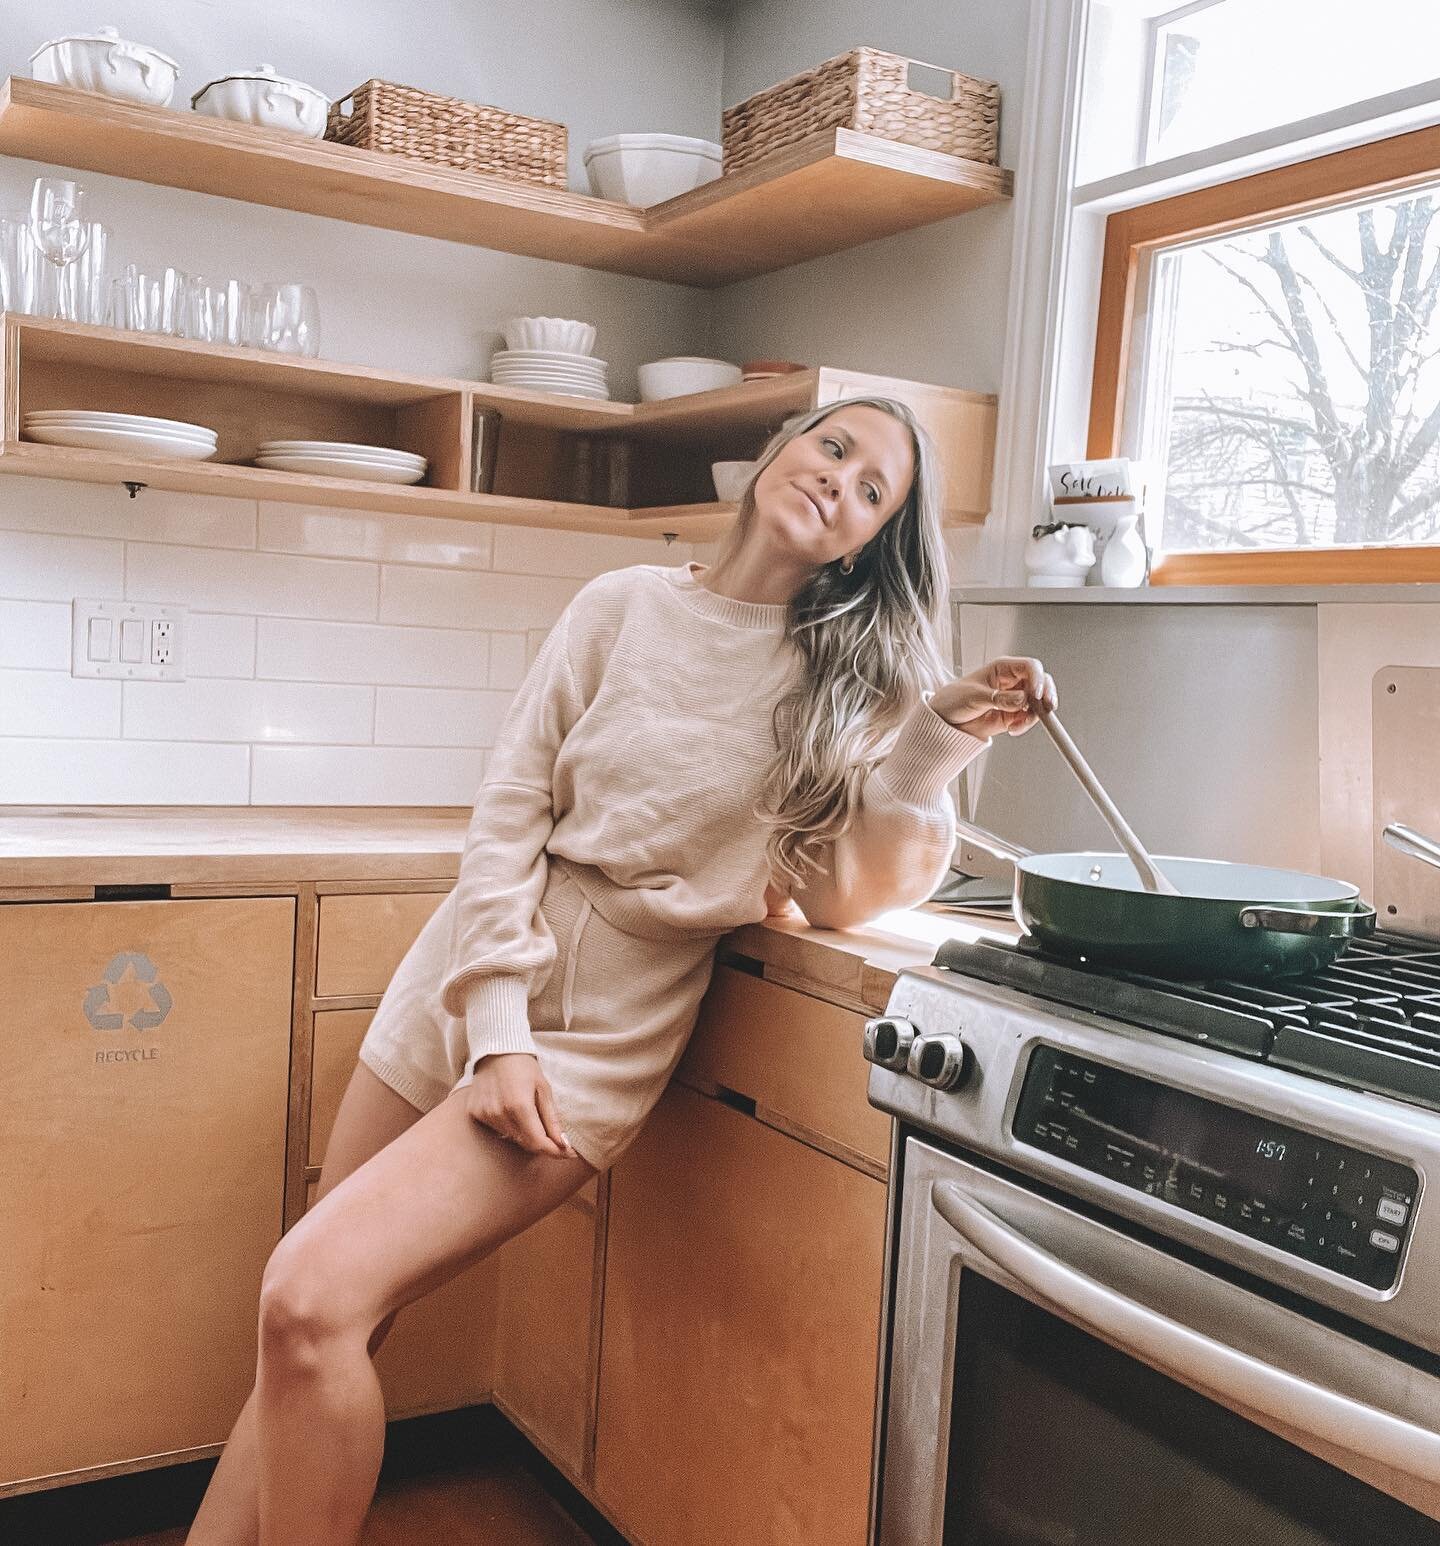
[(437, 1199), (371, 1115)]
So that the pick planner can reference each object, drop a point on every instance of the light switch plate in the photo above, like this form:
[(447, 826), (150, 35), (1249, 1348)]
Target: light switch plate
[(96, 651)]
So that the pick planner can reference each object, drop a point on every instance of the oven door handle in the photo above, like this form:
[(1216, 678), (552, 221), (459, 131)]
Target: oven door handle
[(1349, 1426)]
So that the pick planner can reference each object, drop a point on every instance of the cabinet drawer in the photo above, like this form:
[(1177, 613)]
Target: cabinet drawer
[(796, 1056), (364, 937)]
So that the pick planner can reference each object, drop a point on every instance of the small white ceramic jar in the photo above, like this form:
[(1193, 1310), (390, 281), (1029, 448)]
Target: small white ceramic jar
[(1062, 558), (103, 61), (269, 101)]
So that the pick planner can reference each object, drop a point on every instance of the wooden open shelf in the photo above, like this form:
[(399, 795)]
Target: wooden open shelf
[(835, 190), (247, 396)]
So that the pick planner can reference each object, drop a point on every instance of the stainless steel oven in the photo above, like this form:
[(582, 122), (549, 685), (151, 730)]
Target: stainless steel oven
[(1147, 1288)]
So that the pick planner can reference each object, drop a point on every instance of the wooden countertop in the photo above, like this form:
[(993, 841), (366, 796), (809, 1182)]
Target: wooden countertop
[(58, 849)]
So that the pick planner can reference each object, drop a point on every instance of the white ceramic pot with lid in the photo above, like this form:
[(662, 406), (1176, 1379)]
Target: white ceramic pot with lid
[(103, 61), (266, 99), (647, 169)]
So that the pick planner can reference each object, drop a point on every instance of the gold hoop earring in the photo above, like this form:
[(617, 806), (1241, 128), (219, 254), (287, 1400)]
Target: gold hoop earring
[(847, 565)]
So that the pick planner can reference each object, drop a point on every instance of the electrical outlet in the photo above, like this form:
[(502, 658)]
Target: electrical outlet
[(132, 640), (162, 641)]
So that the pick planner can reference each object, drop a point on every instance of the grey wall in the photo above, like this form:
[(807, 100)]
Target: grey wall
[(928, 304), (1202, 723)]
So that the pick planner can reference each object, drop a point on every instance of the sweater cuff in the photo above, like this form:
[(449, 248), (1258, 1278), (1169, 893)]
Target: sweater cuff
[(927, 754), (497, 1016)]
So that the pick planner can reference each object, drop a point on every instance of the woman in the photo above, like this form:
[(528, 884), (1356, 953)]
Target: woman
[(691, 750)]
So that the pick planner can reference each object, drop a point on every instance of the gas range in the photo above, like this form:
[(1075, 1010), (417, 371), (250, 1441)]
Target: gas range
[(1288, 1130)]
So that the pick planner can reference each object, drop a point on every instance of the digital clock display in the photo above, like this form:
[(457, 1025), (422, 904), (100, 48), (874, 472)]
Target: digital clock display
[(1300, 1192)]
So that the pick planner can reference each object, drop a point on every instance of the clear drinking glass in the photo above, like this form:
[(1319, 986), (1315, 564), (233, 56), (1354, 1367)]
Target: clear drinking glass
[(57, 219), (81, 288), (154, 302), (286, 318), (20, 264)]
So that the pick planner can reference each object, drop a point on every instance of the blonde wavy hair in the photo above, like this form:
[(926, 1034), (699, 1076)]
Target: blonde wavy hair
[(873, 641)]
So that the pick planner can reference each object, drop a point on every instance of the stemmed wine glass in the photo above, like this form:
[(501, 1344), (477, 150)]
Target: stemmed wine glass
[(57, 219), (61, 234)]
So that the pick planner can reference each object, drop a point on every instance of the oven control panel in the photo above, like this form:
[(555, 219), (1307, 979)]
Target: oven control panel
[(1316, 1199)]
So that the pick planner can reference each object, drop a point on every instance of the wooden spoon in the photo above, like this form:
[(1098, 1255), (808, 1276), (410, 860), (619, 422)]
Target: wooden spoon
[(1145, 866)]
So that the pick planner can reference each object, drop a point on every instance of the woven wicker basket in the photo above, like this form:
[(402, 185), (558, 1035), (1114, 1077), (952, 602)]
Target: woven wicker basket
[(405, 121), (870, 91)]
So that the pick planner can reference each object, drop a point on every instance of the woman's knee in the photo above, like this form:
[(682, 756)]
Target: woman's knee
[(303, 1310)]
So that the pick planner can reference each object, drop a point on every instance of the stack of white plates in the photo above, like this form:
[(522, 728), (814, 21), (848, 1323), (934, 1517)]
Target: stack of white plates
[(133, 432), (550, 370), (341, 459)]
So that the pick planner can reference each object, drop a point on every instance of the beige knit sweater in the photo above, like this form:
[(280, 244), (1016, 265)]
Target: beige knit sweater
[(637, 746)]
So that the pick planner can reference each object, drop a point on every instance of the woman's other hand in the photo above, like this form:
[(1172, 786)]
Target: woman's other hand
[(1005, 695), (512, 1096)]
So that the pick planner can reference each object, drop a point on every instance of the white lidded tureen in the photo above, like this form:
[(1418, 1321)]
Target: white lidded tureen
[(269, 101), (104, 61)]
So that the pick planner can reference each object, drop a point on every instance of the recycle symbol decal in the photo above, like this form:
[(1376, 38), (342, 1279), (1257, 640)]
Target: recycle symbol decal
[(105, 1003)]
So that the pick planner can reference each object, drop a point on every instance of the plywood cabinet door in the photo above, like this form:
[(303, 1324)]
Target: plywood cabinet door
[(144, 1064), (440, 1353), (741, 1329), (543, 1336)]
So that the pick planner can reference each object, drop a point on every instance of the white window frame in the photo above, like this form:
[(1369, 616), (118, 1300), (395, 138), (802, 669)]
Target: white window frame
[(1056, 253)]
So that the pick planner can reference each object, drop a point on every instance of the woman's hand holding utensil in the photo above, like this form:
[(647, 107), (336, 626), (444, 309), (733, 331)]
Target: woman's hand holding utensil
[(1003, 696)]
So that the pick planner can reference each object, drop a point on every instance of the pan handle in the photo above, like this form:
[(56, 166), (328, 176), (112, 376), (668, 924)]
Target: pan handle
[(990, 842), (1284, 920), (1416, 844)]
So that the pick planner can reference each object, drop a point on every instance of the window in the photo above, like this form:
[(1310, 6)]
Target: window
[(1173, 79), (1271, 347)]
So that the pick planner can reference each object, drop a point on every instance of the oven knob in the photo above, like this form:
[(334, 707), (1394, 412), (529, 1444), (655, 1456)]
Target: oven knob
[(887, 1041), (943, 1060)]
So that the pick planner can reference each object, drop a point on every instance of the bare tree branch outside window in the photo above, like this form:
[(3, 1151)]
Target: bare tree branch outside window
[(1303, 403)]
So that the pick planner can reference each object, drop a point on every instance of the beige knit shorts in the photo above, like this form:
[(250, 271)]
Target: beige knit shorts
[(610, 1020)]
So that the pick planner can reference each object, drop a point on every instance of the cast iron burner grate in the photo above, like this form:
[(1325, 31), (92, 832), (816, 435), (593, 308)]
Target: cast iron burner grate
[(1371, 1020)]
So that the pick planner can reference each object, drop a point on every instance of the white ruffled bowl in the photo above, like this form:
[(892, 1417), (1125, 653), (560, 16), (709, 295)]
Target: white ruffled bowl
[(558, 334)]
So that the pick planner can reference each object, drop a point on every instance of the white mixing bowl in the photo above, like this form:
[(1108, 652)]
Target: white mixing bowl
[(647, 169), (681, 374)]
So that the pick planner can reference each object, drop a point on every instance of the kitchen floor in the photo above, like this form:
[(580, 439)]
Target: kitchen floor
[(432, 1488)]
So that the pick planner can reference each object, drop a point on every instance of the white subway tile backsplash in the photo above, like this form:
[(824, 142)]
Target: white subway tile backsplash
[(116, 772), (538, 550), (35, 633), (107, 510), (220, 710), (457, 599), (331, 656), (508, 659), (268, 584), (219, 644), (431, 716), (339, 652), (40, 567), (395, 539), (54, 703), (373, 775)]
